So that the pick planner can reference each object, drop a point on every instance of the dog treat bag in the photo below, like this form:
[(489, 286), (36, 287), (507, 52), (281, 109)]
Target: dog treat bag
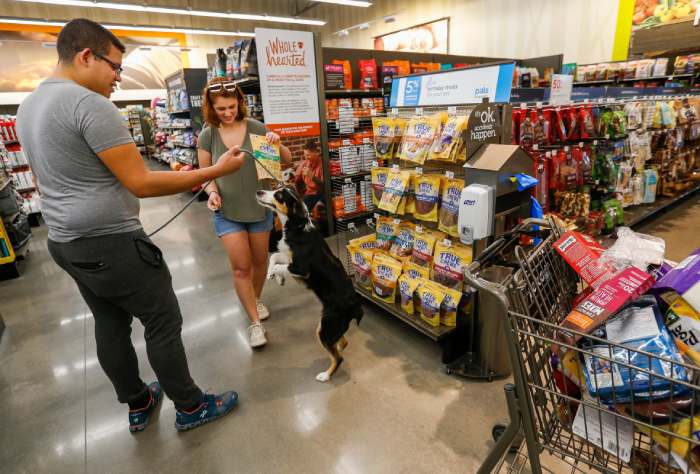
[(383, 128), (449, 262), (267, 154), (418, 138), (385, 274), (448, 309), (423, 246), (379, 175), (402, 247), (362, 265), (368, 74), (387, 228), (427, 192), (399, 128), (407, 287), (449, 209), (347, 72), (430, 296), (414, 270), (442, 148), (365, 242), (394, 189)]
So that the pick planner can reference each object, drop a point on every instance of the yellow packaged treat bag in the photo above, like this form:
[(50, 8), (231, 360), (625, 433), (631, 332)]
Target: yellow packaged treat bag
[(401, 209), (362, 265), (407, 287), (411, 195), (385, 275), (430, 296), (414, 270), (683, 322), (379, 175), (399, 128), (368, 241), (427, 192), (448, 215), (448, 309), (267, 154), (394, 189), (443, 147), (402, 246), (387, 228), (418, 137), (449, 262), (424, 246), (383, 128)]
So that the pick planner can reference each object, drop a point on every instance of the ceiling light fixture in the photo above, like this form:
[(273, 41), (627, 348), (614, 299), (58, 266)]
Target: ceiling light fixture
[(350, 3), (178, 11), (155, 29), (363, 26)]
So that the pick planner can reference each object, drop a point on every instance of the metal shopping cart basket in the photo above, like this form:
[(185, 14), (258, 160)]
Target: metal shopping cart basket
[(591, 405)]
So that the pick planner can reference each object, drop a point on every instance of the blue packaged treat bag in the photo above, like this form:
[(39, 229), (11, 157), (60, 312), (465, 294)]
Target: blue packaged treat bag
[(638, 327), (524, 181)]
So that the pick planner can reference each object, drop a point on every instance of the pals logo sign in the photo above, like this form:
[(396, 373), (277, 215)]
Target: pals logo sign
[(285, 53)]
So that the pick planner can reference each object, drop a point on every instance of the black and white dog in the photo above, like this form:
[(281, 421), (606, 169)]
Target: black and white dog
[(305, 255)]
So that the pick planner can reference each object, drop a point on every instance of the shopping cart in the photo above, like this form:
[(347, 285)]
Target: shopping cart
[(653, 428)]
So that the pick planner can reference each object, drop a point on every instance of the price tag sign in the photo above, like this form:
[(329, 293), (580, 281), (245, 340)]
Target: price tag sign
[(419, 229), (351, 226), (447, 242), (560, 90), (346, 142), (397, 221), (452, 110), (449, 174), (394, 111), (373, 112), (375, 163), (395, 168), (348, 180), (419, 170), (419, 111)]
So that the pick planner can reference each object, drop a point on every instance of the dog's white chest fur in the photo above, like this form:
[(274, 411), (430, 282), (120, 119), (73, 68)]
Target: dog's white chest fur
[(283, 248)]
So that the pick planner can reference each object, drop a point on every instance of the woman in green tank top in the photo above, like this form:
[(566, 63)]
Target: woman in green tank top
[(240, 222)]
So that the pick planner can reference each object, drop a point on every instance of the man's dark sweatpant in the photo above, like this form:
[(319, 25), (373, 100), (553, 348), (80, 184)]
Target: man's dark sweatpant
[(120, 276)]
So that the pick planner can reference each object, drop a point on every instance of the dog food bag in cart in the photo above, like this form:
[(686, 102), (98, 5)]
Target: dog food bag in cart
[(267, 154), (383, 128), (385, 275), (394, 189), (448, 309), (407, 287), (443, 147), (362, 265), (449, 209), (418, 138), (449, 262), (683, 322), (387, 228), (379, 175), (427, 192), (413, 270), (430, 296)]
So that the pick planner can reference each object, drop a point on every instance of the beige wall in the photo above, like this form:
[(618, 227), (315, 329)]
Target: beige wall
[(583, 30)]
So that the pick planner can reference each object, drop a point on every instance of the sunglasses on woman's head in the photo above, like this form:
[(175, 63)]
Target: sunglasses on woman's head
[(219, 86)]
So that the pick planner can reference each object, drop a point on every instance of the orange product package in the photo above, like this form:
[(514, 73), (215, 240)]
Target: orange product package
[(347, 72)]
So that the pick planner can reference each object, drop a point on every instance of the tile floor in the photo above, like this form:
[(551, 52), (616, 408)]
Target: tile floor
[(390, 408)]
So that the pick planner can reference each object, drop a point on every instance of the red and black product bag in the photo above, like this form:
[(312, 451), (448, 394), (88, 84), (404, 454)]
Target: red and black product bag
[(555, 163), (586, 119), (573, 126), (368, 74), (540, 127), (541, 170), (527, 129), (558, 134), (515, 122)]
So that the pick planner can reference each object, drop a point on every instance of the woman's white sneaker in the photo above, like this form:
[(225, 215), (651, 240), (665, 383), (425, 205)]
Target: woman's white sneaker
[(256, 334), (263, 312)]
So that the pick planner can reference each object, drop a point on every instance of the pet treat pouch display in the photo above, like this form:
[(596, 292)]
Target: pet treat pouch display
[(414, 270), (430, 297), (638, 326), (385, 275), (449, 262), (383, 128), (402, 247), (269, 155), (379, 175), (423, 247), (418, 137), (365, 242), (443, 147), (362, 265), (387, 228), (448, 309), (427, 191), (449, 208), (395, 187), (407, 287)]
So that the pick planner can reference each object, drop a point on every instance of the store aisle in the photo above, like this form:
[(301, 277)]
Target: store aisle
[(390, 408)]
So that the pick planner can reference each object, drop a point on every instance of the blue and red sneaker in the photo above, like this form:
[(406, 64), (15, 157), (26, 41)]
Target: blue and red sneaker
[(211, 408), (138, 419)]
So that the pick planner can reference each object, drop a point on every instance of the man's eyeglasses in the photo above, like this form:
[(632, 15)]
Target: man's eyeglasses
[(219, 86), (115, 67)]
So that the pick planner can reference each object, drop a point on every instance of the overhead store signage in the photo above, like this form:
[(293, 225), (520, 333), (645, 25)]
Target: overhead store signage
[(560, 91), (287, 68), (457, 86)]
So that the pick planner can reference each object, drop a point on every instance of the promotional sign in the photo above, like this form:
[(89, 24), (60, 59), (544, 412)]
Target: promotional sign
[(560, 91), (287, 69), (430, 37), (333, 76), (456, 86), (483, 126)]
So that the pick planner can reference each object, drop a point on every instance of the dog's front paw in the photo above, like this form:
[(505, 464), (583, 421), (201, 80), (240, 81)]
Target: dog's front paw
[(323, 377), (278, 272)]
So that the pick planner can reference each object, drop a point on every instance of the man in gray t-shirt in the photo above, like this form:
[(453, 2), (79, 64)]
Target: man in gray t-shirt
[(90, 175)]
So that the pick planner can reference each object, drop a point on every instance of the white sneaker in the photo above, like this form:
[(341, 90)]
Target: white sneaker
[(256, 333), (263, 312)]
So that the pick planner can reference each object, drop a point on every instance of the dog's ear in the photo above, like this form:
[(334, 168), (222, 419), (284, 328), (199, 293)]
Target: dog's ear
[(298, 206)]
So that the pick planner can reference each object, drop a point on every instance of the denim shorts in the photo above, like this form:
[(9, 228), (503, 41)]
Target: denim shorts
[(225, 226)]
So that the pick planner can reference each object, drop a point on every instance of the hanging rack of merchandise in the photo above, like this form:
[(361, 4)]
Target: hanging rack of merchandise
[(614, 162), (139, 124), (15, 231), (681, 70), (408, 256), (17, 166)]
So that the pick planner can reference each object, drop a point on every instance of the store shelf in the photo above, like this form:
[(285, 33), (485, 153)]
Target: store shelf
[(350, 176), (635, 215), (355, 93), (354, 215), (26, 190), (247, 82), (435, 333), (588, 83), (183, 111)]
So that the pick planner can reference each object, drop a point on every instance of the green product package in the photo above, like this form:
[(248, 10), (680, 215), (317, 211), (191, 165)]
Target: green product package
[(612, 214)]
